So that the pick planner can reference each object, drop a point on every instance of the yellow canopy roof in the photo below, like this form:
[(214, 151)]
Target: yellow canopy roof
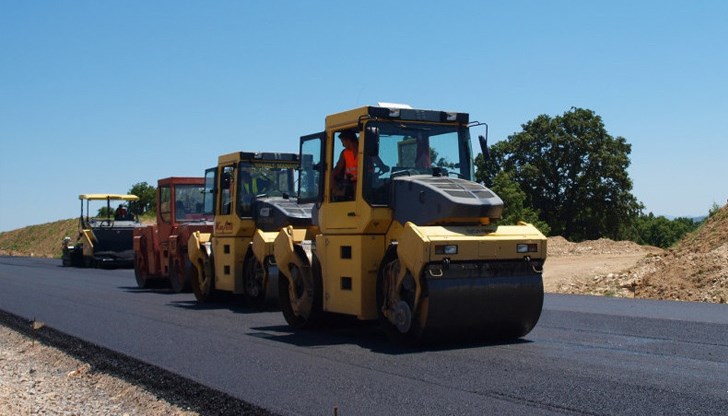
[(108, 196)]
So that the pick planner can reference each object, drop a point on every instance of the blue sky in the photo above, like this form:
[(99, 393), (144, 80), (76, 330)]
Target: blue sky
[(98, 95)]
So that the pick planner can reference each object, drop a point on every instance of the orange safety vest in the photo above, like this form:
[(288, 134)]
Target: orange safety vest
[(350, 164)]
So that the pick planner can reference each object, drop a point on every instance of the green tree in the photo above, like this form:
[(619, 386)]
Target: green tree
[(572, 172), (514, 200), (105, 212), (147, 198)]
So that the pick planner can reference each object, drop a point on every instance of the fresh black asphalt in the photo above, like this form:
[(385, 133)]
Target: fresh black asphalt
[(587, 355)]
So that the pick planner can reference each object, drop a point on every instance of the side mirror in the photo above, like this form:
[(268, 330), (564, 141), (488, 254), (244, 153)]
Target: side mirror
[(484, 147), (371, 141)]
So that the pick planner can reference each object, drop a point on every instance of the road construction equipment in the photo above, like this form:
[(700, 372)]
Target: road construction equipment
[(104, 240), (407, 238), (160, 250), (251, 195)]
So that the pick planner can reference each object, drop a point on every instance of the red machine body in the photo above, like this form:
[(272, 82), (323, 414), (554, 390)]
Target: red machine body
[(160, 250)]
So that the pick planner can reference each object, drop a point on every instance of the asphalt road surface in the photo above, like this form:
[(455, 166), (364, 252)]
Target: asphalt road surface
[(587, 355)]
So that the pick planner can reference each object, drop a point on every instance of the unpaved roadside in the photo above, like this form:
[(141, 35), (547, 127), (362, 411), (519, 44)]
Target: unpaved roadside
[(36, 379), (568, 274), (44, 371)]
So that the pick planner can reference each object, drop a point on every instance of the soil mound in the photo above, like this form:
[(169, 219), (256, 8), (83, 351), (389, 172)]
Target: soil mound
[(594, 267), (559, 246), (696, 269)]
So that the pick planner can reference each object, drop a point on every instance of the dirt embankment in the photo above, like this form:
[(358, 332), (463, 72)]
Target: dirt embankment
[(42, 240), (695, 269)]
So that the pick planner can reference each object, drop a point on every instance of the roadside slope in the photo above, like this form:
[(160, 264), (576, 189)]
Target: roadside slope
[(42, 240)]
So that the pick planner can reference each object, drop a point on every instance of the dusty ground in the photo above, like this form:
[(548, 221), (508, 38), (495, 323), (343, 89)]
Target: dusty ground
[(579, 268)]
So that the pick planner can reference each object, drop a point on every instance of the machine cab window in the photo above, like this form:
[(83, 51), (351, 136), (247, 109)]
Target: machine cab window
[(345, 166), (209, 192), (188, 203), (311, 175), (398, 149), (227, 182), (165, 205)]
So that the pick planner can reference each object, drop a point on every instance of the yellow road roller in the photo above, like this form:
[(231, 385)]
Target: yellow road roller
[(252, 196), (401, 232)]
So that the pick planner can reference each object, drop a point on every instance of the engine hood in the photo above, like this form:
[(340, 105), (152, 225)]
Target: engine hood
[(272, 214), (430, 200)]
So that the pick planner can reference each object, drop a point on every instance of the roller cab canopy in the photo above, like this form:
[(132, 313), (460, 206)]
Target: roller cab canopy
[(104, 197), (106, 239)]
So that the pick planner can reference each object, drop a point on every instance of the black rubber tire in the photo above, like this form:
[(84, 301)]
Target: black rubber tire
[(253, 270), (66, 259), (177, 277), (315, 313), (204, 291), (414, 336), (89, 262), (140, 272)]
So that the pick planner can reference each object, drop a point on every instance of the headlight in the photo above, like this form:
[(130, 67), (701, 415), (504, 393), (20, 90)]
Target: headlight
[(527, 248), (446, 249)]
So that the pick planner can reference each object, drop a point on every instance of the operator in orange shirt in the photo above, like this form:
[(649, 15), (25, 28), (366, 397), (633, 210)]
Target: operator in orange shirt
[(345, 170)]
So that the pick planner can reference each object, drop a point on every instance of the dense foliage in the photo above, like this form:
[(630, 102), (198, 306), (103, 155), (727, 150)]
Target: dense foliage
[(514, 201), (105, 212), (147, 202), (662, 232), (572, 173)]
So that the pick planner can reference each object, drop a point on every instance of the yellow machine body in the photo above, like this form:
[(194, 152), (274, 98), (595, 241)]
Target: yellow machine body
[(415, 244), (249, 195)]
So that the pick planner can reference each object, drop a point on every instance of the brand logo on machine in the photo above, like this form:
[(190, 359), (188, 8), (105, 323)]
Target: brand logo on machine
[(265, 212), (224, 227)]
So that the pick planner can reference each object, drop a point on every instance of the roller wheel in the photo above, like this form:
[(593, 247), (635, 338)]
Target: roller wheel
[(301, 299), (395, 305), (89, 262), (202, 283), (140, 272), (190, 274), (178, 279), (254, 281), (66, 259)]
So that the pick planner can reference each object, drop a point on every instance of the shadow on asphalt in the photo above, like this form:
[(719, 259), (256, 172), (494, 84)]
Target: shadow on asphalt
[(233, 303), (156, 287), (333, 330), (369, 335)]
